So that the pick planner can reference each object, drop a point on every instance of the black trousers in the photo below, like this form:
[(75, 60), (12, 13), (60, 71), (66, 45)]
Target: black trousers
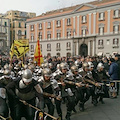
[(70, 104), (86, 94), (58, 107), (4, 111), (21, 110), (50, 107)]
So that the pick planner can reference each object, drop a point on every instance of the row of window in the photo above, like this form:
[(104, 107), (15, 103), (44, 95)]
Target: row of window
[(84, 20), (68, 45), (19, 33), (58, 47), (19, 25), (83, 33), (5, 23), (115, 30), (68, 54), (115, 42)]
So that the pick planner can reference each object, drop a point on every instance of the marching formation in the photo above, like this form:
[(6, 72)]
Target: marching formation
[(34, 92)]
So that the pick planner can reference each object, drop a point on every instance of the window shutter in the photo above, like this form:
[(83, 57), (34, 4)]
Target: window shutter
[(114, 41), (114, 13), (117, 41), (41, 25), (98, 42), (104, 15), (99, 30), (99, 15), (113, 28)]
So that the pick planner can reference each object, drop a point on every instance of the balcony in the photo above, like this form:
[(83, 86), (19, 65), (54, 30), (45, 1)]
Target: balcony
[(116, 17), (58, 49), (68, 48), (48, 49), (83, 22), (58, 25), (115, 46), (68, 24), (101, 19), (100, 47)]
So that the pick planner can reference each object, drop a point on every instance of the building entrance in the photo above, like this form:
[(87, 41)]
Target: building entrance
[(83, 50)]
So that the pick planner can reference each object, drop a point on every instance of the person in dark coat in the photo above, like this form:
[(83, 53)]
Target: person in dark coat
[(117, 60), (113, 72), (113, 69)]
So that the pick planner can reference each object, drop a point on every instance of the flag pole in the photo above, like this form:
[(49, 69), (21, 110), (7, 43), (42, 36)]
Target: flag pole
[(12, 53), (24, 55), (24, 51)]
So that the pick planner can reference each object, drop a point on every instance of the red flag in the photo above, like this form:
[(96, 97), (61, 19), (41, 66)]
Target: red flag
[(38, 55)]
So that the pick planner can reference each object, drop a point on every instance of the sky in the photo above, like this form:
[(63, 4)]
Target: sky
[(37, 6)]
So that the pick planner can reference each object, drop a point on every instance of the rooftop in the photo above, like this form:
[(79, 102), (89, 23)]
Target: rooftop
[(96, 3)]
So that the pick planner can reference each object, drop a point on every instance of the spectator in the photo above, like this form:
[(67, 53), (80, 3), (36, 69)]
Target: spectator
[(117, 60), (113, 69), (113, 72)]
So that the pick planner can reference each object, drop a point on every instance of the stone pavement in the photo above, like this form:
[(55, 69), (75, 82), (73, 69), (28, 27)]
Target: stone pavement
[(108, 111)]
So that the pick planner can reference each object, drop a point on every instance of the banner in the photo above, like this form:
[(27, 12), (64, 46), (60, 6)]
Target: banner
[(38, 55), (19, 48)]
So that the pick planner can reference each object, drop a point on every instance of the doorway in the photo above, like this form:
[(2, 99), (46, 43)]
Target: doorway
[(83, 50)]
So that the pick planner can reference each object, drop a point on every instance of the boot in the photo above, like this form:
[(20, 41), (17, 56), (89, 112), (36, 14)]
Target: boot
[(101, 100), (60, 117), (81, 107), (94, 102), (68, 116), (74, 110)]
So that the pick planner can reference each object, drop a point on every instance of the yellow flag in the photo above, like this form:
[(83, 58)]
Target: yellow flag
[(38, 55), (19, 48)]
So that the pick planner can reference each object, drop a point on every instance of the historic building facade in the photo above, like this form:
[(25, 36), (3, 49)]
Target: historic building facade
[(4, 34), (17, 23), (87, 29)]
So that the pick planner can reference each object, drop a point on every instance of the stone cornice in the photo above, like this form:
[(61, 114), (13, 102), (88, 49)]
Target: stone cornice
[(71, 13)]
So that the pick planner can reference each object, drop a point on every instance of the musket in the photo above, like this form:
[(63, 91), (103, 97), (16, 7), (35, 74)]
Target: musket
[(24, 102), (73, 83), (51, 95), (94, 83)]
